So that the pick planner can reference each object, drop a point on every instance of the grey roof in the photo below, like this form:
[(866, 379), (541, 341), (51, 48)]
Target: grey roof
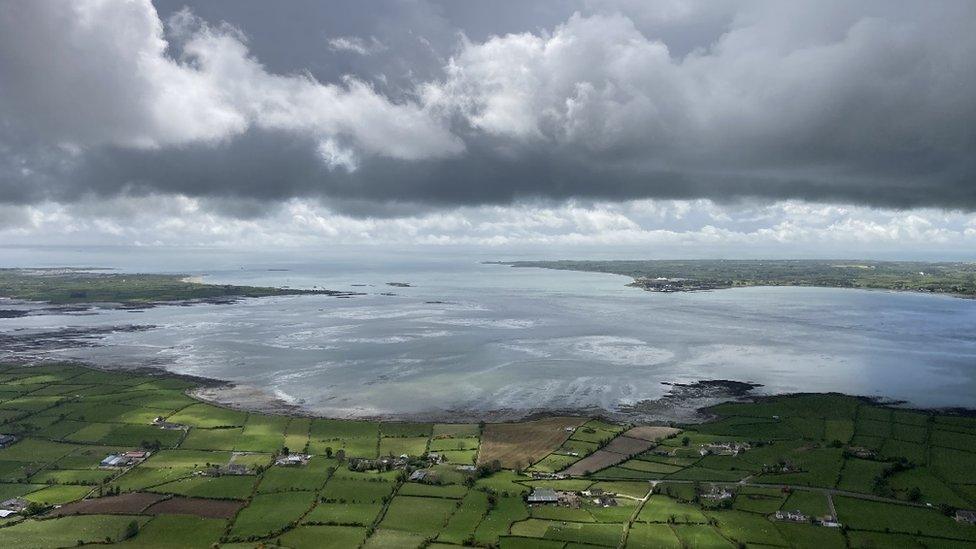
[(543, 495)]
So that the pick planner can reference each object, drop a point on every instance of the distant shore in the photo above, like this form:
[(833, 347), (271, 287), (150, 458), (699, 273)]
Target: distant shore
[(957, 279), (64, 286)]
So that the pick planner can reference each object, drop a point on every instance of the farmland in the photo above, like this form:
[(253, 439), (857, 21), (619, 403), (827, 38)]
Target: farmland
[(516, 445), (838, 471)]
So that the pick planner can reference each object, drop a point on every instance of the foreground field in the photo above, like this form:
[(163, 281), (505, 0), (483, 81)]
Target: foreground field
[(798, 471)]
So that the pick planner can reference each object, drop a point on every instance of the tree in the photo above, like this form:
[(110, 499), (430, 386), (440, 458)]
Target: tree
[(33, 508), (328, 451), (685, 441), (131, 530), (285, 451)]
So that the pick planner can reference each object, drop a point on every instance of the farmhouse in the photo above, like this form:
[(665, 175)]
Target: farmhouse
[(717, 493), (466, 468), (161, 422), (7, 440), (539, 475), (785, 466), (724, 448), (861, 452), (293, 459), (792, 516), (965, 515), (543, 495), (124, 459), (15, 505), (114, 460), (233, 469), (419, 475), (828, 521), (605, 500)]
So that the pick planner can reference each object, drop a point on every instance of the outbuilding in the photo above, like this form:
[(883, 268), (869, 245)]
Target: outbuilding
[(543, 495)]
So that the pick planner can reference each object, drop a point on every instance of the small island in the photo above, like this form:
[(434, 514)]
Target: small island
[(956, 278)]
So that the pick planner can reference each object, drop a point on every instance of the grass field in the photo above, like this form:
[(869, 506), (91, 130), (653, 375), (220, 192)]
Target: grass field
[(790, 450), (271, 513), (358, 514), (178, 531), (424, 516)]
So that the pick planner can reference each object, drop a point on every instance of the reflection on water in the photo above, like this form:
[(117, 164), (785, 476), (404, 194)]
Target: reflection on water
[(477, 337)]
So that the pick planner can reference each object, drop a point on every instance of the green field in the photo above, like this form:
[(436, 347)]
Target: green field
[(795, 451)]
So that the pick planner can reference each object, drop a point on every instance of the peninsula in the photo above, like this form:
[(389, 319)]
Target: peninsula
[(64, 286), (958, 278)]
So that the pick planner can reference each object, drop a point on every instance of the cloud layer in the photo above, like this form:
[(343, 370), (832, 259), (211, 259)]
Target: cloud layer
[(638, 228), (868, 104)]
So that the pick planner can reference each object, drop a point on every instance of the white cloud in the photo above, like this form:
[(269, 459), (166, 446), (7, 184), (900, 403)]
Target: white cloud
[(107, 77), (645, 228), (357, 45), (786, 84)]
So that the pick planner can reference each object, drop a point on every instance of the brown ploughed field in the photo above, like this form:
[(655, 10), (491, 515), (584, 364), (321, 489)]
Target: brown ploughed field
[(522, 444)]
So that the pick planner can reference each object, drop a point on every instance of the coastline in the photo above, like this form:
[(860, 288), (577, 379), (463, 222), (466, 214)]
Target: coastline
[(678, 284), (684, 404)]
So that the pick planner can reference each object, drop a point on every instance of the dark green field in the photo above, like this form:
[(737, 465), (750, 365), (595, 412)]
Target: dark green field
[(950, 278), (66, 286), (893, 477)]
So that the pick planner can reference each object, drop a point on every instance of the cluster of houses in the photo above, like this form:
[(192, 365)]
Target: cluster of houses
[(549, 496), (7, 440), (380, 464), (785, 466), (717, 493), (420, 475), (723, 448), (12, 506), (965, 515), (861, 452), (125, 459), (828, 521), (229, 469), (600, 497), (540, 475), (390, 463), (791, 516)]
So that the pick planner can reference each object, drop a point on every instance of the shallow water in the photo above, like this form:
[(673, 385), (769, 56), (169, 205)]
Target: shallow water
[(475, 338)]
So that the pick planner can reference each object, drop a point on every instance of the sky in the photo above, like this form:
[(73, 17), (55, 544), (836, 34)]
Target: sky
[(574, 128)]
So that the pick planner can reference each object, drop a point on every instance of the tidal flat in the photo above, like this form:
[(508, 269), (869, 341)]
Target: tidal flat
[(464, 340)]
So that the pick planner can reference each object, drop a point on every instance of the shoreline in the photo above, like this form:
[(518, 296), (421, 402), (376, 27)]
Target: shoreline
[(692, 408), (642, 283)]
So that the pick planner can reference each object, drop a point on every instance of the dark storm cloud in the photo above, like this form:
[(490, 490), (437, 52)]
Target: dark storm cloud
[(868, 103)]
